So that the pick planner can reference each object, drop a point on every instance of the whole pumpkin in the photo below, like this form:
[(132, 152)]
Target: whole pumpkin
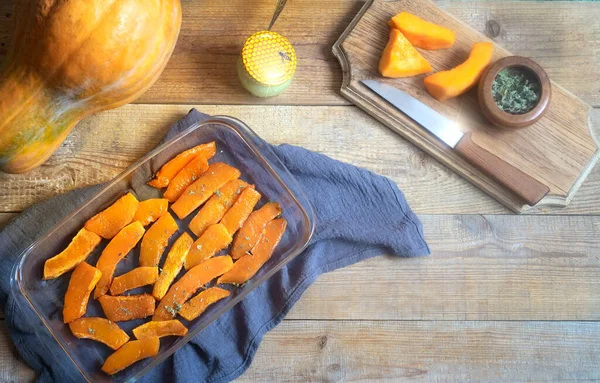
[(71, 58)]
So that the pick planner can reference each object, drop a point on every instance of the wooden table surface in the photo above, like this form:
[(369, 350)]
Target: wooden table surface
[(501, 298)]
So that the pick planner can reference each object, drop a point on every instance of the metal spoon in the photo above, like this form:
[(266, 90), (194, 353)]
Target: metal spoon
[(278, 8)]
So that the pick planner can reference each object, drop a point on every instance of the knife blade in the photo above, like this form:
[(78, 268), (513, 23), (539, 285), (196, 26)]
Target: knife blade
[(526, 187)]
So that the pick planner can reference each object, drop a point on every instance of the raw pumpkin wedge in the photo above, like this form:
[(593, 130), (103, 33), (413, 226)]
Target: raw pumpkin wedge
[(156, 240), (249, 234), (138, 277), (79, 249), (154, 329), (174, 166), (401, 59), (185, 178), (187, 285), (248, 265), (82, 282), (454, 82), (241, 209), (116, 250), (421, 33), (193, 308), (124, 308), (217, 175), (99, 329), (150, 210), (131, 352), (215, 208), (110, 221), (214, 239), (173, 265)]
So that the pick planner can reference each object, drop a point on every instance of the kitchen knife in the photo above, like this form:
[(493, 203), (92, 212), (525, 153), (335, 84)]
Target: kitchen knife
[(525, 186)]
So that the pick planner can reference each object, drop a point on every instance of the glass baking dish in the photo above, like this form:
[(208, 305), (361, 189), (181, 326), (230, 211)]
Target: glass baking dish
[(42, 301)]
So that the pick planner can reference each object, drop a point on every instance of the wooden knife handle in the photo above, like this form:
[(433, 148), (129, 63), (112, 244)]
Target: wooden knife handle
[(525, 186)]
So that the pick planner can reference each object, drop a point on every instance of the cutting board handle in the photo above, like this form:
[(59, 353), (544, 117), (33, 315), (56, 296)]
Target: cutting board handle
[(525, 186)]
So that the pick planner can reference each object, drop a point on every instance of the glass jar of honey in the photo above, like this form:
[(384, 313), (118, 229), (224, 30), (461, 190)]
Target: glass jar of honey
[(267, 64)]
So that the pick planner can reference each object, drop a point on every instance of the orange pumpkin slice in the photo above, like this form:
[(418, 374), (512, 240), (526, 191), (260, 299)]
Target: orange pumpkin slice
[(116, 250), (185, 178), (187, 285), (159, 329), (193, 308), (150, 210), (241, 209), (110, 221), (248, 265), (214, 239), (156, 240), (252, 229), (421, 33), (124, 308), (216, 207), (401, 59), (217, 175), (101, 330), (174, 166), (131, 352), (138, 277), (83, 280), (173, 265), (79, 249)]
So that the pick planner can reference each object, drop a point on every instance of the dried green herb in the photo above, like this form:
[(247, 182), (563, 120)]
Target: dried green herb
[(515, 90)]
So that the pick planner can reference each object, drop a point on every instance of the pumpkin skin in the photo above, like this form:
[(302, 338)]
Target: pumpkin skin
[(71, 58)]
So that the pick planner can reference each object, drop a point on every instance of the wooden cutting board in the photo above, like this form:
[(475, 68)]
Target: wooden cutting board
[(559, 150)]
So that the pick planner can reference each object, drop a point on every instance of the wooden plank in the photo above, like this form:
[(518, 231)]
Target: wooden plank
[(105, 144), (560, 35), (12, 368), (390, 351), (550, 157), (481, 268), (428, 351)]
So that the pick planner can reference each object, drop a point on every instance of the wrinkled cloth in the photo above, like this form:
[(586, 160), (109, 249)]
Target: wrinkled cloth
[(358, 215)]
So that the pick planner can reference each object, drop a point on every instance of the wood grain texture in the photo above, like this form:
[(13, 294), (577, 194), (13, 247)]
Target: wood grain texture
[(481, 268), (438, 351), (201, 71), (557, 151), (103, 145)]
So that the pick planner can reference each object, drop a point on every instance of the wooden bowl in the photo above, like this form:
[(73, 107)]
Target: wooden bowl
[(492, 111)]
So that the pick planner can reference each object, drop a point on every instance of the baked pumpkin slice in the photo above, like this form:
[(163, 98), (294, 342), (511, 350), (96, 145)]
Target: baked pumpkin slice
[(77, 251), (138, 277), (123, 308), (248, 265), (215, 208), (114, 252), (173, 265), (174, 166), (82, 282), (156, 240), (99, 329), (251, 231), (190, 173), (110, 221), (187, 285), (215, 177), (160, 329), (193, 308), (131, 352), (214, 239), (241, 209), (150, 210)]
